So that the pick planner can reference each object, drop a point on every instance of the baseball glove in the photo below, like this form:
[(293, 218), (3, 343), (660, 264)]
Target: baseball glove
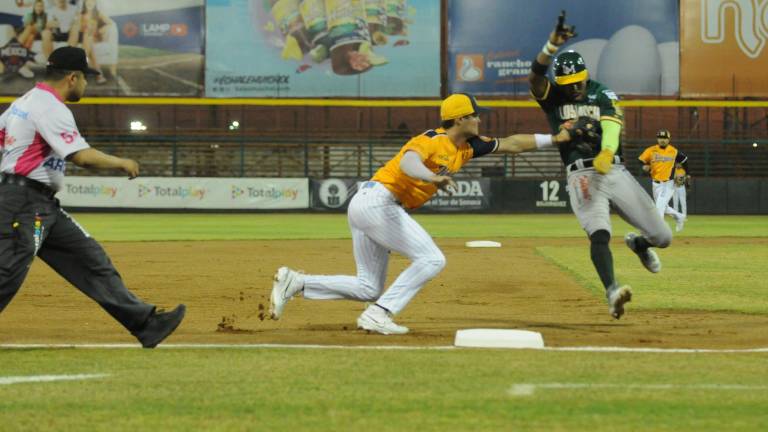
[(585, 135)]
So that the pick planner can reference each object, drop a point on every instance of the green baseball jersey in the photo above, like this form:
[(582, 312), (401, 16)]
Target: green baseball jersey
[(599, 104)]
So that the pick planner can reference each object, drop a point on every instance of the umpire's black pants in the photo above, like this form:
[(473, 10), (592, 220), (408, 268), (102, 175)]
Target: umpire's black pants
[(32, 223)]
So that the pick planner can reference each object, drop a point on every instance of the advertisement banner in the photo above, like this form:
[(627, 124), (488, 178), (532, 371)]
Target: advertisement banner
[(186, 193), (723, 48), (332, 194), (142, 47), (471, 195), (631, 46), (318, 48)]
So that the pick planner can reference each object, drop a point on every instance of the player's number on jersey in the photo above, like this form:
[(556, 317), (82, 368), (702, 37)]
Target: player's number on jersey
[(69, 137), (549, 190)]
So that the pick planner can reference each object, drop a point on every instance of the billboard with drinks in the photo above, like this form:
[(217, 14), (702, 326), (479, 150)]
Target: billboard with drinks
[(300, 48)]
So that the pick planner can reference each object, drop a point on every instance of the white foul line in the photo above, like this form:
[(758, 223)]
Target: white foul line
[(377, 347), (220, 346), (47, 378), (658, 350), (530, 389)]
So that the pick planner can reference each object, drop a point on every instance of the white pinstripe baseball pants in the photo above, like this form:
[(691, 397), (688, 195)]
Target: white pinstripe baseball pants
[(380, 225), (662, 194)]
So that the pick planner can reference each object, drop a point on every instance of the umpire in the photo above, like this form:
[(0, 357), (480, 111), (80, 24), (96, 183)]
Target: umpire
[(37, 135)]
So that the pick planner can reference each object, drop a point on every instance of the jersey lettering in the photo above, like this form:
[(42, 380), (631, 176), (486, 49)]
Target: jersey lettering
[(571, 111), (661, 158), (69, 137), (55, 164)]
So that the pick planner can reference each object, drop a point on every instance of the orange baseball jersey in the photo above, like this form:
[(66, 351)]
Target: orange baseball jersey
[(439, 154), (662, 161)]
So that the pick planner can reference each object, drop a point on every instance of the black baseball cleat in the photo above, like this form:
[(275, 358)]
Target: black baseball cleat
[(159, 326)]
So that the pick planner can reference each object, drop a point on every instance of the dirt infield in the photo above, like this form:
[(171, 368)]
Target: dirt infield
[(226, 288)]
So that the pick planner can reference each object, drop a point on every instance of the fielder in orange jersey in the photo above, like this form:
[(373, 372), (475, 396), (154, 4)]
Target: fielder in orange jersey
[(659, 161), (682, 183), (380, 224)]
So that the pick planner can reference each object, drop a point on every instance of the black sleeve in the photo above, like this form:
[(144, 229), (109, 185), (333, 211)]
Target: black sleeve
[(681, 158), (481, 147), (552, 99)]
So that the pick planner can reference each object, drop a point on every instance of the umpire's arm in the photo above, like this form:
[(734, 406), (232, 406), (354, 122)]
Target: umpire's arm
[(92, 158)]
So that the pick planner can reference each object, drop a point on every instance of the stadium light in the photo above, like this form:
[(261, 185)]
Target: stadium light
[(137, 126), (235, 125)]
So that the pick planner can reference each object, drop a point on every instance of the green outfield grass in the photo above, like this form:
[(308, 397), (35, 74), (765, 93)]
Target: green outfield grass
[(160, 227), (333, 390)]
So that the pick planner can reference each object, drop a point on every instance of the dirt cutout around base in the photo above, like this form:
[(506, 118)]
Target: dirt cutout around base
[(226, 286)]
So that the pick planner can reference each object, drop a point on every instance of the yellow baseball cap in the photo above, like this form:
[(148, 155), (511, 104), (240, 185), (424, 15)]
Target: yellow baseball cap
[(459, 105)]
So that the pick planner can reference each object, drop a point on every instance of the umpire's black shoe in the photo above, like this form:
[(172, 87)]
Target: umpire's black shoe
[(159, 326)]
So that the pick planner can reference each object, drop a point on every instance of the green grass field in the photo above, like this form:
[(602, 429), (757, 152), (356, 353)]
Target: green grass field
[(713, 265), (164, 227)]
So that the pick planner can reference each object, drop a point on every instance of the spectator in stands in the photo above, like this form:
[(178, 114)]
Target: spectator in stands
[(94, 27), (35, 26)]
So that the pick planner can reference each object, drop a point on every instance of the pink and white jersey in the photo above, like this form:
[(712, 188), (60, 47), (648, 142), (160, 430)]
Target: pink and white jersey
[(37, 133)]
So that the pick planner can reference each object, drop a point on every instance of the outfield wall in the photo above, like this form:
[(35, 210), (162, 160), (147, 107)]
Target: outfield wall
[(481, 195)]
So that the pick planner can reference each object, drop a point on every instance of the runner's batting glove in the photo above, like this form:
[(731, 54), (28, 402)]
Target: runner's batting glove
[(603, 162), (562, 31)]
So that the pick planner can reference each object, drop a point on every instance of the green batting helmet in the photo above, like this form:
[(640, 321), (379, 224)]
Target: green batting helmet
[(570, 68)]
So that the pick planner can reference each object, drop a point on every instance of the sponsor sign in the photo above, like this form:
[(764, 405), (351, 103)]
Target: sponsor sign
[(185, 193), (471, 194), (333, 194), (552, 196), (316, 48), (723, 48), (631, 46)]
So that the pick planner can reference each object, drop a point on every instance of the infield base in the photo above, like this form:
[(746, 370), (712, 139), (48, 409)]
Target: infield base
[(498, 338)]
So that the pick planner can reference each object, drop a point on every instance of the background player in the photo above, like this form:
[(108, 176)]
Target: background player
[(597, 178), (682, 182), (380, 224), (659, 161), (37, 134)]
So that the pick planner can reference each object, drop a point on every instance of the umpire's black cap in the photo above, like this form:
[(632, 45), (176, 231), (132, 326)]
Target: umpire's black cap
[(663, 133), (70, 59)]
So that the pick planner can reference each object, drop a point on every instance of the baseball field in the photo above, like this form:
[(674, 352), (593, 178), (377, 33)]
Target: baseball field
[(690, 353)]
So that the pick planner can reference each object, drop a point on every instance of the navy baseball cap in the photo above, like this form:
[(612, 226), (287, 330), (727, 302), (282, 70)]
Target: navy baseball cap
[(71, 59)]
